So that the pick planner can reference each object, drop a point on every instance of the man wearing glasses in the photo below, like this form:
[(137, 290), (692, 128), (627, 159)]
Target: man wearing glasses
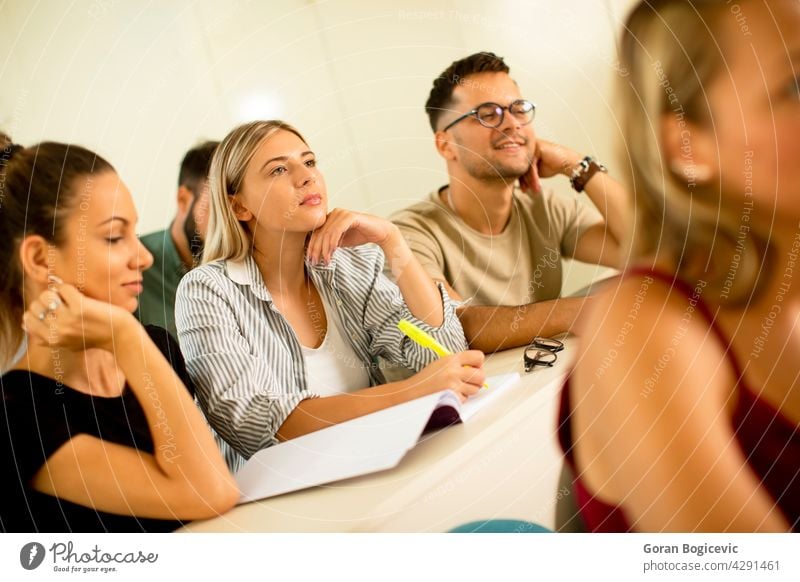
[(491, 243)]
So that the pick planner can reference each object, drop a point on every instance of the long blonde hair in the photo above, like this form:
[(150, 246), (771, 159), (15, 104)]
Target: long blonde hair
[(670, 54), (227, 237)]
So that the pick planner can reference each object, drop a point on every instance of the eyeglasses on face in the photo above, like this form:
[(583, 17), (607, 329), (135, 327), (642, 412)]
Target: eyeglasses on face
[(542, 351), (492, 115)]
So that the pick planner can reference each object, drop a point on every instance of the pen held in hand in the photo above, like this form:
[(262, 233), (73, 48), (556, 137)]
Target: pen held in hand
[(421, 338)]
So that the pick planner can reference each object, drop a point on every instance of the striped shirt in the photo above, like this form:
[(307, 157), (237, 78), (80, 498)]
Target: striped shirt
[(245, 359)]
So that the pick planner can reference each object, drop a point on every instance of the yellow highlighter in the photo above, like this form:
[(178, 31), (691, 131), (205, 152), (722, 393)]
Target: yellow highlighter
[(418, 336)]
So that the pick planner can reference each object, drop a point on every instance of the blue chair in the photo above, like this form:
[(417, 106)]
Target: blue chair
[(500, 526)]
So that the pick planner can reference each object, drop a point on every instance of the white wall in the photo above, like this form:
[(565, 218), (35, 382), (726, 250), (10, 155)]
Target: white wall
[(141, 82)]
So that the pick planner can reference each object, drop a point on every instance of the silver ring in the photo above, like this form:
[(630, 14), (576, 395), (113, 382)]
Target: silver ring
[(42, 315), (52, 306)]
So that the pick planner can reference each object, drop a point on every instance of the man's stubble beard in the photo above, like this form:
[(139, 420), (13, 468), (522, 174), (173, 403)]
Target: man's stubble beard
[(488, 170)]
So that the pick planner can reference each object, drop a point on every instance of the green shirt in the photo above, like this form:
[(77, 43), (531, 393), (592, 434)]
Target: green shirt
[(157, 301)]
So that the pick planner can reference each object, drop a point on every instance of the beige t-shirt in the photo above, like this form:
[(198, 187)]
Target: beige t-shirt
[(518, 266)]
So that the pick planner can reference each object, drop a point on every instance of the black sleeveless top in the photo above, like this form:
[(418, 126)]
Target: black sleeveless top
[(38, 416)]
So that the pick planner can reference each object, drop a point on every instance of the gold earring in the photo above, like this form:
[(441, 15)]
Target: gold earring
[(691, 172)]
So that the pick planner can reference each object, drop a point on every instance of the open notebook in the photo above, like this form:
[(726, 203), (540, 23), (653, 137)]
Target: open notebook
[(374, 442)]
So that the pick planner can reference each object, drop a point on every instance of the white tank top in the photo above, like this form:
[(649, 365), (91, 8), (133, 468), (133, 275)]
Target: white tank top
[(334, 368)]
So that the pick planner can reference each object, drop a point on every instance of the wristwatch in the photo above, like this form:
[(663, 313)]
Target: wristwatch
[(584, 171)]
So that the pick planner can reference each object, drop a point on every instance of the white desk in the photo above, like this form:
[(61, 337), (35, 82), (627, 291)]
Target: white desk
[(504, 463)]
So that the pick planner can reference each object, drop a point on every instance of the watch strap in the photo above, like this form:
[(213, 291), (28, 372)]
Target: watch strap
[(584, 171)]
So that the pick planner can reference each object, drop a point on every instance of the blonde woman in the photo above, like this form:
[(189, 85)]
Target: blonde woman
[(282, 324), (98, 428), (683, 411)]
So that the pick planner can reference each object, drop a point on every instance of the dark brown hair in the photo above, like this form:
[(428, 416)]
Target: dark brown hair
[(440, 99), (195, 165), (37, 192)]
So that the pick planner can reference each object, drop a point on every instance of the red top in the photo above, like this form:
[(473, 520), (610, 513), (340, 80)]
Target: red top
[(770, 441)]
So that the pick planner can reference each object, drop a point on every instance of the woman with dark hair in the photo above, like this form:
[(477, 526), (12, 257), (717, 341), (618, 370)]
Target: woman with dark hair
[(98, 431), (682, 413)]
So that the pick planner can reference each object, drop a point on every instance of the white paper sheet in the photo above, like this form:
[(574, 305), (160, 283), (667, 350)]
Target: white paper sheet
[(374, 442)]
